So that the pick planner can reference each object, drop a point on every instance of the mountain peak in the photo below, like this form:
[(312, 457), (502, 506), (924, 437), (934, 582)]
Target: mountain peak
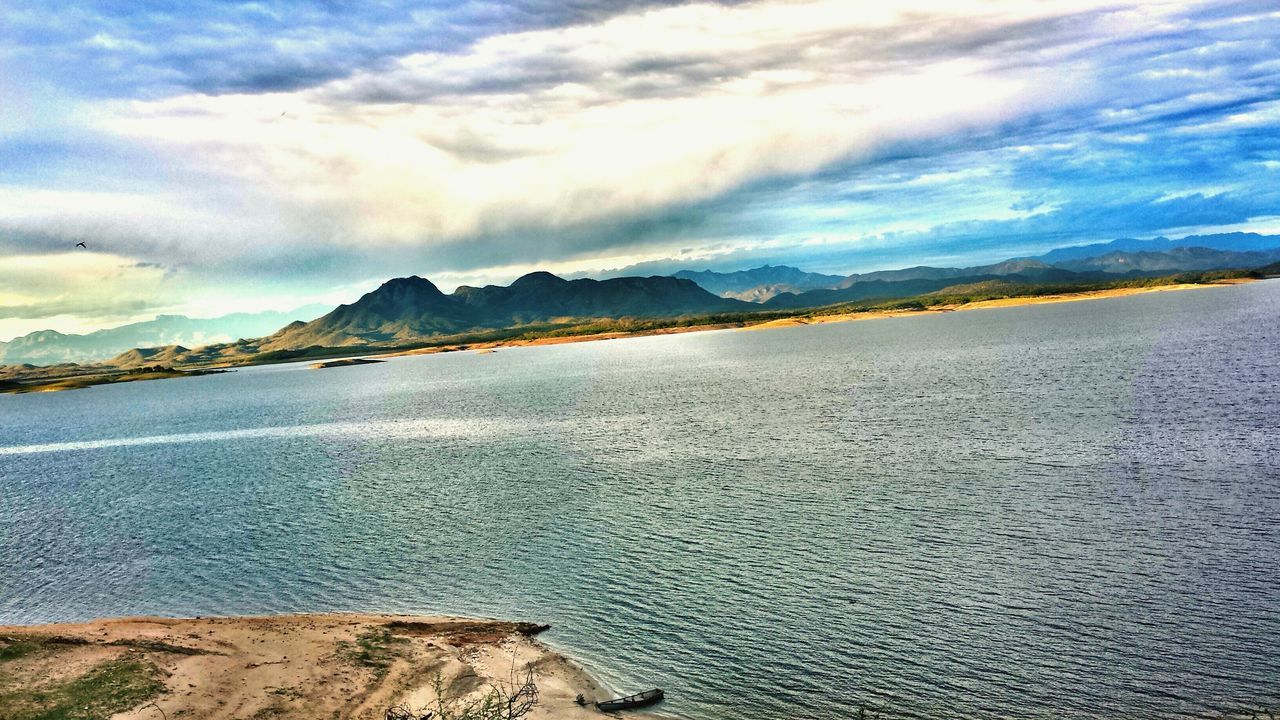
[(412, 282), (403, 310), (43, 336), (402, 290), (539, 278), (1015, 265)]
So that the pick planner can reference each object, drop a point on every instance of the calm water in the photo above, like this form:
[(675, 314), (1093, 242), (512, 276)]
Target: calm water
[(1056, 511)]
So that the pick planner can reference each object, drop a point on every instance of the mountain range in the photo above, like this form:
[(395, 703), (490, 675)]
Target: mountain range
[(1099, 261), (759, 284), (1024, 271), (1237, 241), (409, 310), (1178, 259), (49, 347), (921, 280)]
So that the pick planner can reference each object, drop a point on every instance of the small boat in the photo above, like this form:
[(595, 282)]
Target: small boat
[(639, 700)]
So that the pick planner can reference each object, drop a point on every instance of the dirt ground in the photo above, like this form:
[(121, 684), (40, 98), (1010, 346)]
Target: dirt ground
[(299, 666)]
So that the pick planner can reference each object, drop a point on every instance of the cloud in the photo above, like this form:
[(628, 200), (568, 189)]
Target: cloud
[(140, 49), (547, 128), (113, 309), (81, 289), (311, 146)]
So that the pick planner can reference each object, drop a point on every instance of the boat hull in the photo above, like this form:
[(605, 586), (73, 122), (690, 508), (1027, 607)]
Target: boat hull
[(632, 702)]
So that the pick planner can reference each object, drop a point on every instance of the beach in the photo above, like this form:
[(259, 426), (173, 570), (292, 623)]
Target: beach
[(290, 666)]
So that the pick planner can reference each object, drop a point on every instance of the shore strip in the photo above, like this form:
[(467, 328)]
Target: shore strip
[(987, 304), (816, 316), (283, 667)]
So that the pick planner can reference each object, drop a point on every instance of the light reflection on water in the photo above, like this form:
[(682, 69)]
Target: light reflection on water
[(1062, 509)]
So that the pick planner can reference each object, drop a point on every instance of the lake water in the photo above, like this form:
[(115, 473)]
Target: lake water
[(1066, 510)]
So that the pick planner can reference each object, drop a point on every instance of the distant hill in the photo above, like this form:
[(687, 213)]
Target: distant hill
[(139, 357), (985, 287), (890, 289), (888, 284), (48, 347), (828, 289), (1026, 267), (1178, 259), (1272, 270), (1190, 254), (401, 309), (759, 284), (407, 309), (1236, 242)]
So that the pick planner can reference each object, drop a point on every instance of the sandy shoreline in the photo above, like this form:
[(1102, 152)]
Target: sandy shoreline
[(985, 305), (290, 666)]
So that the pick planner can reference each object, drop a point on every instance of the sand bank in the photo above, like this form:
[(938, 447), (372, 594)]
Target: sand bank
[(986, 304), (1095, 294), (343, 363), (293, 666)]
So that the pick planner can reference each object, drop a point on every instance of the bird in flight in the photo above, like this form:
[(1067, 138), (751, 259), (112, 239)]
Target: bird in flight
[(81, 244)]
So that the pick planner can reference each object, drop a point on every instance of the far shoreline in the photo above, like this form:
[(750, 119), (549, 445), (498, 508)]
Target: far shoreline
[(341, 357), (997, 303), (813, 318)]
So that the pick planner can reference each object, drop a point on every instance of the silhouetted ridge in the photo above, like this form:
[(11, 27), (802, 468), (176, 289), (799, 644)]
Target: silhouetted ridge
[(407, 309)]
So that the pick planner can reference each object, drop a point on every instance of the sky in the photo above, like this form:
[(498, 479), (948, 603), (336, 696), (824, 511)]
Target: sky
[(221, 156)]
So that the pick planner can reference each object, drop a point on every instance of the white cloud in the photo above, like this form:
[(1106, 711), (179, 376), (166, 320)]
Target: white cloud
[(75, 291), (536, 146), (486, 141)]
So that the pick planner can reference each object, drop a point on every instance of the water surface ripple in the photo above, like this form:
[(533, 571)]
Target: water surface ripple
[(1063, 510)]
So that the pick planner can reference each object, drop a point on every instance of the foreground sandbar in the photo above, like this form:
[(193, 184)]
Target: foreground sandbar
[(293, 666)]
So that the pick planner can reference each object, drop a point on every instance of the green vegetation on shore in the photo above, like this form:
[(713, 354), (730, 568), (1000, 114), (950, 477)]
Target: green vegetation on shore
[(1000, 290), (375, 648), (107, 688)]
